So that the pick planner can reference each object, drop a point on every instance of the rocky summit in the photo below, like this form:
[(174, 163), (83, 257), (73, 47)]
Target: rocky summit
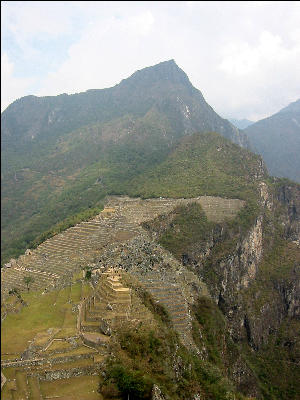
[(147, 252)]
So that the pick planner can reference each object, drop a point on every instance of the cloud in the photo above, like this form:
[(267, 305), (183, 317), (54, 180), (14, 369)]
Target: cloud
[(11, 86), (240, 58), (27, 19), (140, 24), (266, 72), (105, 54)]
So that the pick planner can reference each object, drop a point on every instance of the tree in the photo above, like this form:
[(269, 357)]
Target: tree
[(28, 280), (88, 272), (14, 291)]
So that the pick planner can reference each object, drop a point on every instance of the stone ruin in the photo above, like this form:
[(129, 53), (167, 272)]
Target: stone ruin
[(111, 305)]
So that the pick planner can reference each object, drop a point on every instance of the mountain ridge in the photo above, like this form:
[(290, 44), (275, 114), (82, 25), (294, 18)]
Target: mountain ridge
[(152, 86), (277, 139)]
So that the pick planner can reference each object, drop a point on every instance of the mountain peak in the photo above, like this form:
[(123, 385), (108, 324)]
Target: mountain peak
[(167, 71)]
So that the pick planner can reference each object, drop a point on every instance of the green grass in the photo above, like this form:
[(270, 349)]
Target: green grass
[(42, 312), (70, 321), (21, 380), (86, 290), (59, 345), (77, 388), (10, 373), (6, 393), (33, 384), (76, 291), (85, 362), (9, 356)]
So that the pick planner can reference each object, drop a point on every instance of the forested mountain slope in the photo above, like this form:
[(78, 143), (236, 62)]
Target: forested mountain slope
[(63, 154)]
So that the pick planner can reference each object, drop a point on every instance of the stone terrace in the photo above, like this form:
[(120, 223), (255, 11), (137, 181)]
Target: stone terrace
[(54, 261), (157, 270)]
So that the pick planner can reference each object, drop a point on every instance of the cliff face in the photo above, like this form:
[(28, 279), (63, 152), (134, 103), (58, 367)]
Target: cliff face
[(255, 310), (252, 272), (288, 196)]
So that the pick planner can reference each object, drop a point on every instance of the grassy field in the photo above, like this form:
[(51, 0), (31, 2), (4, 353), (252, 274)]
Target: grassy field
[(43, 311), (79, 388)]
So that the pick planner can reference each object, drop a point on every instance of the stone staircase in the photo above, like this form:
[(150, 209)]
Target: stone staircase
[(111, 306), (168, 293)]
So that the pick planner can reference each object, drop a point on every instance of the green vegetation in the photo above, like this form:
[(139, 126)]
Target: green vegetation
[(75, 292), (57, 174), (213, 327), (189, 225), (28, 281), (130, 384), (88, 274), (40, 205), (275, 364), (194, 168), (206, 164), (146, 357), (186, 231), (157, 309)]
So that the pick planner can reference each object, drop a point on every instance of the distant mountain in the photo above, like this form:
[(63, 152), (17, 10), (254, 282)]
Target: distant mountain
[(277, 139), (63, 154), (241, 123)]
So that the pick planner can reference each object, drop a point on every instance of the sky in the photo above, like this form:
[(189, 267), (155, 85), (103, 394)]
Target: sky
[(243, 56)]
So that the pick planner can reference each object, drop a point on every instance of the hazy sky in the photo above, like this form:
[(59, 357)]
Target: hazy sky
[(243, 56)]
